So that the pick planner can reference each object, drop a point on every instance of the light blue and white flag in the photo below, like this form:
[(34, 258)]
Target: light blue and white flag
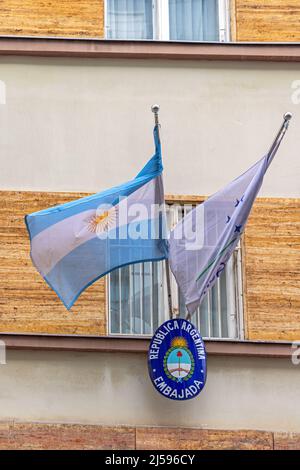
[(203, 241), (74, 244)]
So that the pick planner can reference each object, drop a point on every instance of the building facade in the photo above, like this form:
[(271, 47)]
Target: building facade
[(77, 82)]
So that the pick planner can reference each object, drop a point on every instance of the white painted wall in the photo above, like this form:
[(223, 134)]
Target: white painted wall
[(84, 124), (102, 388)]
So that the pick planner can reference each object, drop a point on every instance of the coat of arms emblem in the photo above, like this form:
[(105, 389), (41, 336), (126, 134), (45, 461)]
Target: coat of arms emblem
[(179, 363)]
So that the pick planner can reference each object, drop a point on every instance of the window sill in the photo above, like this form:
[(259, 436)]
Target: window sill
[(138, 345), (97, 48)]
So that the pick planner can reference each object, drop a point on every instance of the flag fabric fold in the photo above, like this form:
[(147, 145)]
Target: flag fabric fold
[(203, 241), (74, 244)]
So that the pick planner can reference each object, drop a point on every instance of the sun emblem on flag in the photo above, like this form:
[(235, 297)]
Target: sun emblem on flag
[(179, 364), (103, 220)]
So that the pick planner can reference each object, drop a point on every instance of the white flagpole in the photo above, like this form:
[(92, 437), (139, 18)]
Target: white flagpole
[(155, 111)]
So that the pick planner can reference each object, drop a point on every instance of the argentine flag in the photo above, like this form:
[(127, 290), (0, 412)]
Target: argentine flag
[(74, 244)]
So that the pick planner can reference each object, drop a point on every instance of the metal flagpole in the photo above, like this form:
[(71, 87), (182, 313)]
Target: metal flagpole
[(284, 127), (155, 111), (271, 153)]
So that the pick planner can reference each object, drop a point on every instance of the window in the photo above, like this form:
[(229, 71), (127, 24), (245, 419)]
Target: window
[(137, 297), (176, 20)]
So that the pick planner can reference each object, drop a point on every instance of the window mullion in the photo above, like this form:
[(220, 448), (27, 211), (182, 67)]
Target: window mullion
[(161, 12), (224, 20), (174, 219)]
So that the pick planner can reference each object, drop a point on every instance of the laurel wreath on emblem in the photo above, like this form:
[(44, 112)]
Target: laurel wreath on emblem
[(178, 343)]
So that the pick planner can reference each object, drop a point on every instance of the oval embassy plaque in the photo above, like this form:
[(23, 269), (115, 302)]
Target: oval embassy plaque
[(177, 360)]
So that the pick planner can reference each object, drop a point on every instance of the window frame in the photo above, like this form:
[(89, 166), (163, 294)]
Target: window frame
[(160, 15), (162, 315)]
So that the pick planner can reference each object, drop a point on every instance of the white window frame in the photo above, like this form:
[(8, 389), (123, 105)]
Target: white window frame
[(235, 320), (161, 20), (162, 314), (224, 20)]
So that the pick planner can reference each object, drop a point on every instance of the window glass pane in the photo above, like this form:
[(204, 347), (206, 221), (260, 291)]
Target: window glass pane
[(214, 311), (224, 304), (156, 289), (204, 311), (129, 19), (138, 304), (136, 299), (125, 299), (137, 283), (147, 298), (194, 20)]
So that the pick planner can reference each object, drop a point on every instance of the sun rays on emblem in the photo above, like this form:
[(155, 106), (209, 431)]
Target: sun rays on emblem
[(103, 220), (179, 342)]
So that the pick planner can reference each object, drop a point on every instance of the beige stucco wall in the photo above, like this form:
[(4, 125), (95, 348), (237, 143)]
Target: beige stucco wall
[(84, 124), (241, 393)]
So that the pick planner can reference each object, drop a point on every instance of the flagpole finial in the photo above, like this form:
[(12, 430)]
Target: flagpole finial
[(287, 116), (155, 108)]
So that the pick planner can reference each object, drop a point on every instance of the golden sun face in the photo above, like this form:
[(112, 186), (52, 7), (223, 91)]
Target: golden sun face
[(102, 221), (179, 342)]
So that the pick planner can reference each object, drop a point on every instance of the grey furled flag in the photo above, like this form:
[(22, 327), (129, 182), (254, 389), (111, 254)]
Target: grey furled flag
[(203, 241)]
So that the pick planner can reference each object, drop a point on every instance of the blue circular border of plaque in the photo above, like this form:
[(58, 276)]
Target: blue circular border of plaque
[(177, 360)]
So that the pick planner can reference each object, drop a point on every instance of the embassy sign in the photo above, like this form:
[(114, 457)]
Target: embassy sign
[(177, 360)]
